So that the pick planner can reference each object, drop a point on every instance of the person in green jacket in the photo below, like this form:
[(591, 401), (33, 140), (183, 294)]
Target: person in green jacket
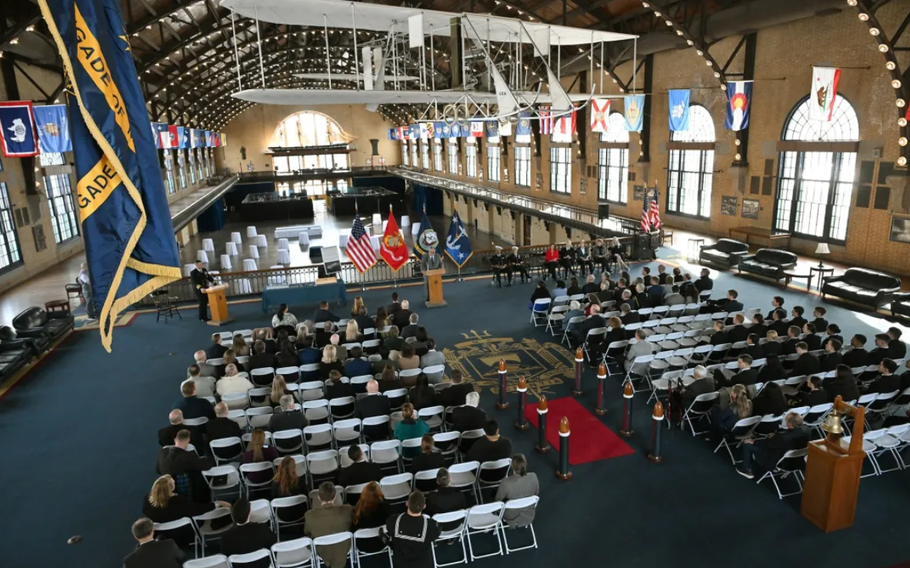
[(410, 427)]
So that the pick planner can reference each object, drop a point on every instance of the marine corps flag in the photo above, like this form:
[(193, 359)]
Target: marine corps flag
[(392, 248), (129, 237)]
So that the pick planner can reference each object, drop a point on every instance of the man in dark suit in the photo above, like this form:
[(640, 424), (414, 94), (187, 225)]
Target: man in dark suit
[(356, 366), (819, 314), (702, 384), (363, 320), (167, 434), (373, 404), (245, 537), (806, 364), (402, 317), (812, 393), (880, 352), (455, 395), (360, 471), (759, 327), (179, 460), (720, 335), (200, 280), (768, 451), (704, 281), (393, 341), (151, 553), (394, 306), (745, 375), (738, 331), (468, 417), (886, 381), (857, 356), (288, 418), (897, 349), (729, 304), (222, 426), (789, 347), (832, 357), (628, 316), (778, 323), (777, 302), (445, 499), (410, 329), (323, 314), (323, 336), (215, 350), (753, 348), (260, 359), (796, 317), (192, 406), (596, 320)]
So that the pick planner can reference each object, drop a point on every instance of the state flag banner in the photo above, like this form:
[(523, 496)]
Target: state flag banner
[(52, 123), (679, 110), (823, 93), (18, 130), (739, 103), (477, 129), (600, 112), (505, 127), (424, 131), (634, 111), (524, 124)]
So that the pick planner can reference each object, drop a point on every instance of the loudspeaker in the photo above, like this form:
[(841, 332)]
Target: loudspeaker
[(603, 211)]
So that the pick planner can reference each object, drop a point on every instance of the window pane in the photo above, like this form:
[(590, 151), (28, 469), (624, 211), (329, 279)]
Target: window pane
[(561, 170), (9, 240), (493, 164), (523, 166)]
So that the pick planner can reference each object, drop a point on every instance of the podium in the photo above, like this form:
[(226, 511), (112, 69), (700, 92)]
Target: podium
[(833, 470), (434, 288), (218, 305)]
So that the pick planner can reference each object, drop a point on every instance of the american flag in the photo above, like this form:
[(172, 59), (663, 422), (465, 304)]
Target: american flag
[(646, 216), (360, 248), (655, 211)]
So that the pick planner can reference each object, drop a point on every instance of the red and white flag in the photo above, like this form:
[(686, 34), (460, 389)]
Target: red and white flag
[(392, 248), (646, 216), (546, 121), (823, 93), (600, 111), (655, 212), (565, 124), (360, 248)]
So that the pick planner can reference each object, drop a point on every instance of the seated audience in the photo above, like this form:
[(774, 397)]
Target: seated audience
[(287, 417), (411, 534), (753, 348), (260, 359), (402, 317), (770, 400), (410, 427), (393, 342), (702, 384), (329, 518), (389, 380), (573, 288), (490, 447), (704, 282), (446, 498), (410, 328), (877, 355), (163, 505), (167, 434), (796, 317), (591, 286), (373, 404), (151, 553), (329, 362), (469, 417), (812, 341), (216, 349), (258, 452), (455, 394), (420, 345), (641, 347), (768, 451), (408, 360), (887, 381), (279, 389), (341, 352), (559, 290), (364, 321), (843, 384), (432, 357), (745, 374), (286, 482), (357, 307), (323, 314), (793, 339), (360, 471), (324, 335), (428, 458), (806, 364), (222, 426), (287, 356), (759, 327), (595, 321), (336, 388), (422, 395), (284, 319), (381, 320), (772, 346), (833, 334), (819, 314), (897, 349), (394, 306), (193, 406), (777, 303), (232, 383), (205, 386), (519, 484), (372, 511), (810, 394), (357, 365), (738, 331), (628, 316), (832, 357), (205, 370), (265, 335), (772, 371), (352, 332), (185, 466), (540, 293), (723, 419), (230, 358), (674, 297), (245, 537)]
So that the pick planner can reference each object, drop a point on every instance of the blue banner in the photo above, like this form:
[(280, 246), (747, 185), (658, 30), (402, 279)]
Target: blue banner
[(634, 112), (194, 138), (679, 110), (52, 123), (492, 128), (129, 237), (18, 130), (413, 132), (739, 105), (458, 246), (440, 129), (524, 124), (183, 141), (455, 130), (426, 236)]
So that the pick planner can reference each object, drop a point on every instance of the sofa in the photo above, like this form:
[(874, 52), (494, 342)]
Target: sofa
[(725, 253), (863, 286), (900, 304), (34, 322), (770, 263), (14, 352)]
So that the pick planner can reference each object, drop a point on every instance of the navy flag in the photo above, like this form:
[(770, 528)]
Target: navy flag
[(129, 237), (458, 246), (426, 237)]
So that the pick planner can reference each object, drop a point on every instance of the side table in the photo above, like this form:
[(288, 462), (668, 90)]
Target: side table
[(823, 272)]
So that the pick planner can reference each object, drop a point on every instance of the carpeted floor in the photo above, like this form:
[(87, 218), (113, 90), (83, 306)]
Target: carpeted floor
[(80, 442)]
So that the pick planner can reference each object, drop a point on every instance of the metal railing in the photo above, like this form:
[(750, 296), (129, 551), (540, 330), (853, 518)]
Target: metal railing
[(252, 177)]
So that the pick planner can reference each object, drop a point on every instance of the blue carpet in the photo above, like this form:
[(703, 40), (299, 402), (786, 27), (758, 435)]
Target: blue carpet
[(80, 445)]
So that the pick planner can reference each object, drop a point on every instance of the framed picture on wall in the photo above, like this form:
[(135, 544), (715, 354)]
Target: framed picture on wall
[(728, 205), (638, 193), (751, 208), (900, 229)]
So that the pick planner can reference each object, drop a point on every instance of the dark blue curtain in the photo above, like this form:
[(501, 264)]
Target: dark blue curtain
[(430, 196), (212, 219), (241, 190)]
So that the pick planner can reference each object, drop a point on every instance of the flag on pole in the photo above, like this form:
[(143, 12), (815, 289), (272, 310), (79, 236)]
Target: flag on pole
[(634, 107), (129, 237), (426, 236), (392, 247), (646, 215), (565, 124), (492, 128), (477, 129), (823, 92), (53, 125), (18, 129), (168, 133), (524, 124), (458, 246), (739, 103), (654, 210), (360, 248), (422, 128), (600, 111), (431, 130), (505, 127), (546, 120), (182, 141), (679, 110)]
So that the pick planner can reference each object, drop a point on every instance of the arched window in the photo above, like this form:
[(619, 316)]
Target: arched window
[(298, 134), (815, 188), (691, 166), (613, 161)]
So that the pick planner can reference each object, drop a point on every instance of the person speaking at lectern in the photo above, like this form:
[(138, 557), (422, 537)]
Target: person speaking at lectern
[(430, 261), (201, 279)]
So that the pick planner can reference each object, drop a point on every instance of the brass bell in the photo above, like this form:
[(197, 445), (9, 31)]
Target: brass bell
[(833, 425)]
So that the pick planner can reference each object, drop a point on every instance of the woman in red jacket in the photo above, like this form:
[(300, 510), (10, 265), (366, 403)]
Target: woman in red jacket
[(551, 260)]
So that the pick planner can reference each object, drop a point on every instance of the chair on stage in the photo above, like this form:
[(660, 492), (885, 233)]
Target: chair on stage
[(226, 262)]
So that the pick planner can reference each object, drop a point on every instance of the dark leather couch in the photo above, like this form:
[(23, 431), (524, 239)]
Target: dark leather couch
[(862, 286), (725, 253), (770, 263), (900, 304), (36, 323), (14, 353)]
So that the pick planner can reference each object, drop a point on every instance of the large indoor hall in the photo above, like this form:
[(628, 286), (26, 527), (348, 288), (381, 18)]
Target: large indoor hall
[(349, 284)]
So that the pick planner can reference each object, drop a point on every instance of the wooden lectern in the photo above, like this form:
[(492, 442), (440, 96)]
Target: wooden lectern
[(218, 305), (833, 471), (434, 288)]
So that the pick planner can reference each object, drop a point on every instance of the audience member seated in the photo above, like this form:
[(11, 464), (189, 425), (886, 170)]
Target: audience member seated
[(409, 427), (167, 434), (410, 328), (327, 519), (445, 499), (205, 370), (812, 341), (287, 417), (723, 419), (595, 321), (323, 314), (287, 356), (455, 395), (832, 357), (428, 458), (411, 534), (772, 371), (245, 537), (393, 342), (770, 400), (491, 447), (810, 394), (886, 381), (819, 314), (258, 452), (833, 334), (420, 345), (720, 335), (615, 331), (702, 384), (422, 395), (519, 484), (744, 375), (372, 511), (222, 426), (265, 335), (363, 320), (335, 388), (897, 349), (286, 482), (389, 380), (573, 289), (806, 364), (260, 359), (759, 327), (324, 335), (392, 308), (540, 293), (151, 553), (360, 471), (674, 297), (772, 346), (766, 452), (641, 347), (753, 347), (796, 317), (329, 362), (559, 290), (279, 389), (283, 319), (877, 355), (628, 316), (230, 358), (205, 386), (704, 282), (591, 286), (193, 406), (468, 417), (408, 360), (232, 383), (216, 349), (163, 505), (373, 404), (185, 466), (352, 333), (432, 357), (381, 320), (357, 365), (843, 384), (402, 317)]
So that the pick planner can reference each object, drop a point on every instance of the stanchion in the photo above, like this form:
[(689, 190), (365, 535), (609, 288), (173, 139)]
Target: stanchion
[(503, 388), (601, 377), (543, 446), (563, 471), (579, 360), (522, 423), (627, 393), (657, 418)]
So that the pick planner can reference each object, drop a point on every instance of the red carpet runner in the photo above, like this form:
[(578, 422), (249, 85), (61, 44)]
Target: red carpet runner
[(590, 440)]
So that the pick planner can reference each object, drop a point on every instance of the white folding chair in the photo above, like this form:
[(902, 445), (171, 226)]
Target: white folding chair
[(322, 465), (483, 519), (539, 311), (297, 553), (316, 411), (397, 488), (248, 468), (331, 539), (435, 374), (204, 523), (370, 536), (432, 415), (791, 463), (288, 511), (464, 477), (740, 431), (318, 437), (259, 417), (288, 441), (249, 559), (519, 505), (226, 449), (216, 561), (451, 527), (386, 453), (179, 526), (492, 473), (346, 430)]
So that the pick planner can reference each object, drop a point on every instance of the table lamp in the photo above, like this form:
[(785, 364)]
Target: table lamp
[(822, 250)]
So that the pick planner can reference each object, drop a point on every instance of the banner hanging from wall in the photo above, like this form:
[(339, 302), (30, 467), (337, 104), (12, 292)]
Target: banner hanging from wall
[(600, 112), (52, 124), (739, 104), (679, 110), (634, 112), (18, 129), (823, 93)]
